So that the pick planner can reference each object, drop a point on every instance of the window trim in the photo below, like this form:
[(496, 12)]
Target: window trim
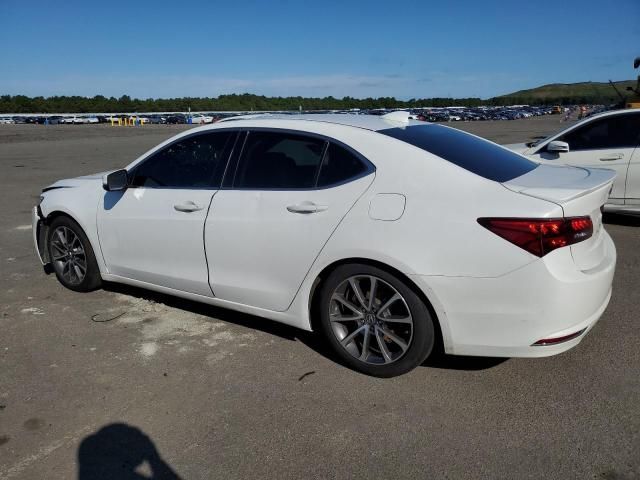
[(235, 162), (232, 131)]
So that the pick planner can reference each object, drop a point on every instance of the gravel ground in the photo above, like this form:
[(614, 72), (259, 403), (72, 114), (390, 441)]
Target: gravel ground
[(208, 393)]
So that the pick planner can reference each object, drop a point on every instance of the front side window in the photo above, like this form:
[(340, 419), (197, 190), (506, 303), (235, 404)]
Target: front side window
[(273, 160), (620, 131), (195, 162)]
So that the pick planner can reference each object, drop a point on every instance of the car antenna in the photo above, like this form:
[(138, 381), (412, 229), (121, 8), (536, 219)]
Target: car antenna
[(617, 91)]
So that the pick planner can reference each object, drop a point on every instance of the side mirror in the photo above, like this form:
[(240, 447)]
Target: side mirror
[(115, 181), (557, 147)]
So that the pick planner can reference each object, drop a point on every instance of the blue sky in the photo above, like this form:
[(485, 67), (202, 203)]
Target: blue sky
[(406, 49)]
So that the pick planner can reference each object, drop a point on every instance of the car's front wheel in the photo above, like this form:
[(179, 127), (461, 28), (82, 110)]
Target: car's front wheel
[(374, 321), (71, 255)]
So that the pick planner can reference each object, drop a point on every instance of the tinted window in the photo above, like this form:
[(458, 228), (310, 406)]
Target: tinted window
[(279, 160), (479, 156), (611, 132), (339, 165), (195, 162)]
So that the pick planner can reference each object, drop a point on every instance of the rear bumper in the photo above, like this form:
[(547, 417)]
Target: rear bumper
[(505, 316)]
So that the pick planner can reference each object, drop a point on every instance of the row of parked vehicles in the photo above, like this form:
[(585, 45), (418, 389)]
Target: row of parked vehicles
[(448, 114), (177, 118)]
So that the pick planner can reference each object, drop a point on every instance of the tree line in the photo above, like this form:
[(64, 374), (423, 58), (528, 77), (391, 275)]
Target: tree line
[(249, 102)]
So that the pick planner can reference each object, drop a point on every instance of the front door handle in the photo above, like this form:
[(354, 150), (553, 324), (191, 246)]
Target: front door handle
[(306, 207), (187, 206), (611, 158)]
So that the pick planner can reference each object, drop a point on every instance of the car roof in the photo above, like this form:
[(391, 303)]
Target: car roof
[(610, 113), (367, 122)]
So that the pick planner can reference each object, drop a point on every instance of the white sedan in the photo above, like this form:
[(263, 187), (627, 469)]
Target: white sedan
[(386, 235), (609, 140), (200, 119)]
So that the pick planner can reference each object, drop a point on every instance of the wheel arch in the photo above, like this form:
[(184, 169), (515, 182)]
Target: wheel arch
[(326, 271), (51, 216), (61, 213), (92, 277), (88, 230)]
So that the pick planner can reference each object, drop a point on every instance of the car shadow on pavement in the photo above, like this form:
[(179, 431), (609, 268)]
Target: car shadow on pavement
[(123, 452), (459, 362), (244, 319), (623, 220), (311, 340)]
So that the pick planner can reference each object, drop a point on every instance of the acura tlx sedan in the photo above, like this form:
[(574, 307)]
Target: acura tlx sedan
[(387, 235)]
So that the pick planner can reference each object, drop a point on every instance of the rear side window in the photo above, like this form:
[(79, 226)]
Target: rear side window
[(194, 162), (619, 131), (338, 166), (279, 160), (476, 155)]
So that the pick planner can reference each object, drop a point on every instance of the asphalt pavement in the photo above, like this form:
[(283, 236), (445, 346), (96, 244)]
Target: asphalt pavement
[(123, 382)]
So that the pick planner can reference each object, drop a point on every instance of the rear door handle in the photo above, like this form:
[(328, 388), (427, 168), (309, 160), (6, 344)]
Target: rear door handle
[(611, 158), (306, 207), (187, 206)]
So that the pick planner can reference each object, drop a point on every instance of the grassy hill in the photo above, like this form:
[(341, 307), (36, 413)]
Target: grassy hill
[(583, 92)]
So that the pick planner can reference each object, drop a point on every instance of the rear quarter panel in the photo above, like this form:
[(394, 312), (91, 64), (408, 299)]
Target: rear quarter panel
[(438, 233)]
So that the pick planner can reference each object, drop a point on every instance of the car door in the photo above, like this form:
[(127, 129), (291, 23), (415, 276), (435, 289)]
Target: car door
[(632, 191), (606, 142), (153, 230), (633, 179), (287, 195)]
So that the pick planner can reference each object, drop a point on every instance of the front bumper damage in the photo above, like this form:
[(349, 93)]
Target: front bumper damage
[(39, 229)]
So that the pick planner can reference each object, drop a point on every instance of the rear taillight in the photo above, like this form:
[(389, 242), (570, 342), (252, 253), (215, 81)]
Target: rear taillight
[(540, 236)]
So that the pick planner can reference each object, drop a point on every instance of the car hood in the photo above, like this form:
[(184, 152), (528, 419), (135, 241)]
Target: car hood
[(77, 181)]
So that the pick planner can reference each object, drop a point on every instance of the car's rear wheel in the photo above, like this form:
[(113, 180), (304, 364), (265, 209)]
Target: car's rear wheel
[(71, 255), (374, 321)]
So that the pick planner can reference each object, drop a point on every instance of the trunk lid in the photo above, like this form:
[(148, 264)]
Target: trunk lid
[(580, 192)]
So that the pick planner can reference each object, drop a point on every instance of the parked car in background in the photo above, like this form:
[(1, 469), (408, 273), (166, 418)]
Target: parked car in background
[(157, 119), (608, 140), (359, 227), (200, 119), (52, 120), (7, 121), (80, 119), (176, 119), (71, 120)]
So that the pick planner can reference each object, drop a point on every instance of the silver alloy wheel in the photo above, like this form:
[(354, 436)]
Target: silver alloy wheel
[(68, 255), (375, 327)]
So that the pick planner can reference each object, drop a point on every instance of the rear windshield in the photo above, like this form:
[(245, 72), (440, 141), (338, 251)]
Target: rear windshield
[(479, 156)]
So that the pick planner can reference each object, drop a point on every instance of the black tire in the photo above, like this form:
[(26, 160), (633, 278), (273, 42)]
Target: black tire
[(422, 339), (91, 279)]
